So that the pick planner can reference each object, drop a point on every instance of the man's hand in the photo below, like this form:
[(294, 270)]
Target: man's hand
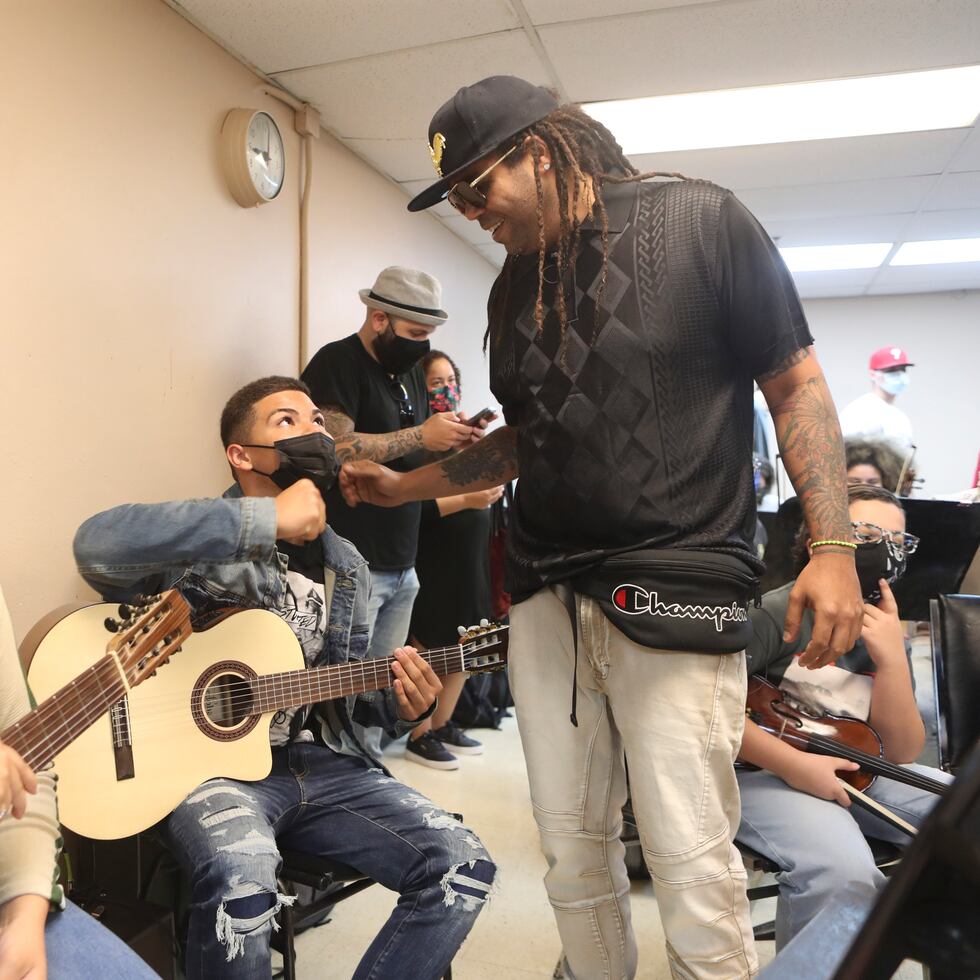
[(444, 431), (22, 938), (370, 483), (416, 684), (478, 431), (829, 586), (300, 513), (817, 775), (16, 781), (882, 629), (482, 499)]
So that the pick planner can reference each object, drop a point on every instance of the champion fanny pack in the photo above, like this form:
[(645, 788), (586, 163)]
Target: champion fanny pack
[(668, 599)]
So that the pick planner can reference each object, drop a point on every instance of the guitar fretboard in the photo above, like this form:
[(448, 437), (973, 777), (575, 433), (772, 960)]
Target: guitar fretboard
[(275, 692), (39, 736)]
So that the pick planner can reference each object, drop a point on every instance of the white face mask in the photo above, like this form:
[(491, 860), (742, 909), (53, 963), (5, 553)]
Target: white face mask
[(894, 382)]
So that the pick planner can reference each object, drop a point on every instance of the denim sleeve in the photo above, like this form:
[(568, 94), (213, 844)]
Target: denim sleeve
[(154, 544), (379, 709)]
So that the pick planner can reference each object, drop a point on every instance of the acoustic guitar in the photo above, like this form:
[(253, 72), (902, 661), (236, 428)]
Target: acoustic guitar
[(152, 629), (208, 716)]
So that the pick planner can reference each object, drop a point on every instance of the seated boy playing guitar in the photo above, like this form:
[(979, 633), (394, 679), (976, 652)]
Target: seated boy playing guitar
[(266, 544), (795, 810)]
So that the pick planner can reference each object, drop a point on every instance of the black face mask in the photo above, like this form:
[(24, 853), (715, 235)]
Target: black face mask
[(310, 457), (398, 354), (877, 561)]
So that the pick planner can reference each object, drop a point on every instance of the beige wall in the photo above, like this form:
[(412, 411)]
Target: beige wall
[(136, 295), (941, 332)]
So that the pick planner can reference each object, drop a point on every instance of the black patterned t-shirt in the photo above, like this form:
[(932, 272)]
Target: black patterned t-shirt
[(640, 434)]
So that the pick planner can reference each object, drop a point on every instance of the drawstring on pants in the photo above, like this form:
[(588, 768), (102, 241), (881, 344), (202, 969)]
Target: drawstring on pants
[(567, 595)]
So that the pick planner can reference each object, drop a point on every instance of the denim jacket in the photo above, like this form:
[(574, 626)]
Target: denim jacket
[(221, 553)]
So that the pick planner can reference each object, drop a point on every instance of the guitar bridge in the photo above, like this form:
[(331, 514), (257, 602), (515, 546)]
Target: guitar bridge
[(122, 740)]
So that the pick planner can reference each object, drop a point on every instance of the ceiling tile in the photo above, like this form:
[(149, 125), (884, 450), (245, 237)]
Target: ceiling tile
[(394, 95), (816, 162), (559, 11), (833, 279), (968, 155), (830, 292), (399, 159), (276, 36), (959, 275), (838, 231), (930, 225), (934, 286), (956, 191), (757, 42), (892, 195)]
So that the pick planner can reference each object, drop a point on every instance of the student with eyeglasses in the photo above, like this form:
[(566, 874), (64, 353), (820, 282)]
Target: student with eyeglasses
[(794, 808), (371, 389)]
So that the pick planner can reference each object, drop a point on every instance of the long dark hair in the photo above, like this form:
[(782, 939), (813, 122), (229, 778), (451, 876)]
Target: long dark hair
[(435, 355), (580, 147)]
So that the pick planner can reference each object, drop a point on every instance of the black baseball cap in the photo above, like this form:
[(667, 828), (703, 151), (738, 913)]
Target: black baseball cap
[(474, 122)]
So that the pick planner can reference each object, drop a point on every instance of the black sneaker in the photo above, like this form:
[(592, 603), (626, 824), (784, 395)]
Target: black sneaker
[(428, 751), (451, 735)]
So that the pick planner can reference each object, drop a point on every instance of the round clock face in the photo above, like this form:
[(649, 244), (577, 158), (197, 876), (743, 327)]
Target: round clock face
[(266, 159)]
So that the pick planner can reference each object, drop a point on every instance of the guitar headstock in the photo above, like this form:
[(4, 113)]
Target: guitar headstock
[(150, 629), (484, 647)]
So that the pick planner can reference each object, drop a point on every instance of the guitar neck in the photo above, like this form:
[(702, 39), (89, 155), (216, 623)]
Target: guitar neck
[(276, 692), (55, 723)]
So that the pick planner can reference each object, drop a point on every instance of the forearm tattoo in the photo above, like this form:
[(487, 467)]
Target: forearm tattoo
[(378, 448), (336, 422), (813, 452), (489, 463)]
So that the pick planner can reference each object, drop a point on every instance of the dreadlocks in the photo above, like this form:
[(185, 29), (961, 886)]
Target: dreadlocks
[(581, 149)]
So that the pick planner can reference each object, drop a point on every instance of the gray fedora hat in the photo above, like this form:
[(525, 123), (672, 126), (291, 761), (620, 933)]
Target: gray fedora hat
[(407, 293)]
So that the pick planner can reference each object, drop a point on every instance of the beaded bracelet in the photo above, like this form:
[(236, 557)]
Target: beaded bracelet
[(842, 544)]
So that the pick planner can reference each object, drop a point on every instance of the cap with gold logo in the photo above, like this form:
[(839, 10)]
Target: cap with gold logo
[(476, 122)]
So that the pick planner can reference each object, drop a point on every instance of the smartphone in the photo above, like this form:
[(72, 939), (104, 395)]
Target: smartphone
[(484, 413)]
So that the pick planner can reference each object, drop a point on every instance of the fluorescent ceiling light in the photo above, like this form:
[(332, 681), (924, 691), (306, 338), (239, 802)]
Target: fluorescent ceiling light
[(948, 98), (934, 253), (822, 258)]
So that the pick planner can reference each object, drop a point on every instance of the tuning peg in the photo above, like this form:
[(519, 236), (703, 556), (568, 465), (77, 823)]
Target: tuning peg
[(112, 625), (461, 630), (484, 623), (125, 610)]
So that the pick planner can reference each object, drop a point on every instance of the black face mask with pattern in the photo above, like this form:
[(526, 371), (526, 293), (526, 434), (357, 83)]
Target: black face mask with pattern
[(876, 561), (310, 457)]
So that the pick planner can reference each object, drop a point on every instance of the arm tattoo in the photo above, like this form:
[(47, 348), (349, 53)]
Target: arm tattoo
[(795, 358), (813, 451), (379, 448), (336, 421), (489, 463)]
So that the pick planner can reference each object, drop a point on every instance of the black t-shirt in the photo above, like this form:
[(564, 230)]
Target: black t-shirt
[(641, 436), (343, 375)]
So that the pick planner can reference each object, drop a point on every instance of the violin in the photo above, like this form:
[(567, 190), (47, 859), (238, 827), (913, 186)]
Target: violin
[(826, 734)]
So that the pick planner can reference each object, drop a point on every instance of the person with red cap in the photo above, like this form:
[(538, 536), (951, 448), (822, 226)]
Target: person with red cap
[(875, 413)]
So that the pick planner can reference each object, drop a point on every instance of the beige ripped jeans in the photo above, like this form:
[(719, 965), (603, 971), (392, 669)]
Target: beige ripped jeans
[(676, 719)]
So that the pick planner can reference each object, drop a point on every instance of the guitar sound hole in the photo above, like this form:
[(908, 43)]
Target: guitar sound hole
[(223, 701)]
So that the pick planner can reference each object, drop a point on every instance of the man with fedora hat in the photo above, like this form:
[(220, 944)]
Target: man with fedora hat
[(625, 330), (372, 391)]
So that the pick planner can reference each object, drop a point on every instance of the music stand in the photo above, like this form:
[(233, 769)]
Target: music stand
[(929, 910), (949, 534)]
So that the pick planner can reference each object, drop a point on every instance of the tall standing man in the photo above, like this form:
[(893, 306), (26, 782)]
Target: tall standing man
[(372, 391), (626, 328)]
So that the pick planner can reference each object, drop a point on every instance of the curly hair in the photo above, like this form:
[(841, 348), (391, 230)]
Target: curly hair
[(581, 149), (884, 458), (800, 553), (435, 355)]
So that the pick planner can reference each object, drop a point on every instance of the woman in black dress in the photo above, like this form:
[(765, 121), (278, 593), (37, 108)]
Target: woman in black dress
[(453, 567)]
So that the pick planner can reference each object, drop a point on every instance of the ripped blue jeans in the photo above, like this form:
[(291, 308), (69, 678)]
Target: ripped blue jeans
[(227, 835)]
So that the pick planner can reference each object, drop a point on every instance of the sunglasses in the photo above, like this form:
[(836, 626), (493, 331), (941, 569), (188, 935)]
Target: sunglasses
[(464, 194), (406, 412)]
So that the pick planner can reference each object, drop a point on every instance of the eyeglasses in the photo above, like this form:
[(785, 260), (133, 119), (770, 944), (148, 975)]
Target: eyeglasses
[(463, 195), (406, 413), (867, 533)]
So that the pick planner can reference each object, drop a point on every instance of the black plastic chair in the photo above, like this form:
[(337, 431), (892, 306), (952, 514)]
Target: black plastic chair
[(954, 623)]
